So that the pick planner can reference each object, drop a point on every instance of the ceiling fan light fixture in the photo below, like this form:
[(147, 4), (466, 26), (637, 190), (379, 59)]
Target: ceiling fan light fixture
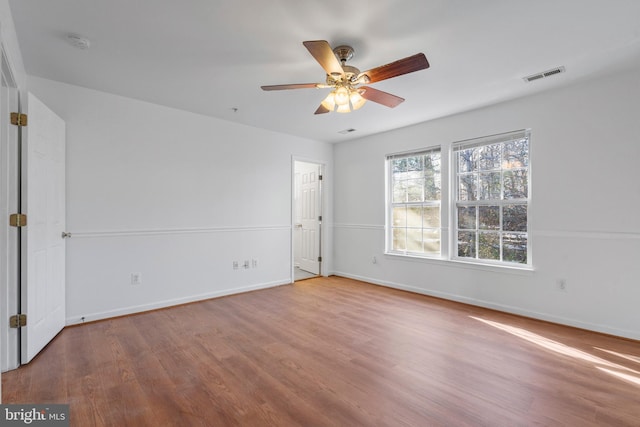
[(343, 108), (341, 96), (357, 100), (329, 102)]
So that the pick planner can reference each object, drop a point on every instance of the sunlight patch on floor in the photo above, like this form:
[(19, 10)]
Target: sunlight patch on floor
[(624, 356), (628, 374), (631, 378)]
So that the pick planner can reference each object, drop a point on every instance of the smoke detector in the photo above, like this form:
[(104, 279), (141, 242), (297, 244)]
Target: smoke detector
[(78, 41)]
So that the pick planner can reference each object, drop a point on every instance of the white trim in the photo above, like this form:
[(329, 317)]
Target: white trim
[(490, 139), (459, 263), (165, 231), (590, 234), (90, 317), (634, 335), (359, 226), (324, 224)]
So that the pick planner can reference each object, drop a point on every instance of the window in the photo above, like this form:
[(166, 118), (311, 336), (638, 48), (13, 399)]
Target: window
[(413, 217), (491, 187)]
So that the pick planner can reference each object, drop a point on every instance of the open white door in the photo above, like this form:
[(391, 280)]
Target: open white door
[(43, 250), (310, 216)]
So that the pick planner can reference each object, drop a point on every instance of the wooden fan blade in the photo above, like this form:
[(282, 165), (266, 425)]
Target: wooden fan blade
[(397, 68), (321, 110), (323, 53), (293, 86), (380, 97)]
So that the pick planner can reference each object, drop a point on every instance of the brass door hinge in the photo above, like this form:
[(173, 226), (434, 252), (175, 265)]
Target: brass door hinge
[(18, 321), (17, 220), (18, 119), (319, 259)]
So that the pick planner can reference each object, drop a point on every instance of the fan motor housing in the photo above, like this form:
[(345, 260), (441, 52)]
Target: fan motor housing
[(344, 53)]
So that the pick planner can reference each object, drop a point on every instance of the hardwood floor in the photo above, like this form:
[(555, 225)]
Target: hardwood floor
[(333, 351)]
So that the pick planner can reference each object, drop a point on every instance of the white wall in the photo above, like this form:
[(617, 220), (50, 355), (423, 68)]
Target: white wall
[(584, 215), (9, 40), (174, 196)]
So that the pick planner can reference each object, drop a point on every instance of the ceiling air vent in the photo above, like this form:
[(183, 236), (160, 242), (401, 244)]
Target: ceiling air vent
[(544, 74), (346, 131)]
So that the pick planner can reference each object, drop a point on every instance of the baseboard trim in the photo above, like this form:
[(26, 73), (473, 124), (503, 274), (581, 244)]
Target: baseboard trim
[(622, 333), (92, 317)]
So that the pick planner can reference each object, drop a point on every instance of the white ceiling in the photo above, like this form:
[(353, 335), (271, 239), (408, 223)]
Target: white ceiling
[(212, 56)]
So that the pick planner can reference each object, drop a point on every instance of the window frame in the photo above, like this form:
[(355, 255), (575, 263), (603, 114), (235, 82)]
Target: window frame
[(501, 202), (449, 203), (390, 205)]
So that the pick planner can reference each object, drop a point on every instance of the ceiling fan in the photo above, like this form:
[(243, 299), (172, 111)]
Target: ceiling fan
[(348, 83)]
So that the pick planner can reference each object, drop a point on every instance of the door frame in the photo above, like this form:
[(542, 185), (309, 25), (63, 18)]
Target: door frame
[(321, 196), (9, 200)]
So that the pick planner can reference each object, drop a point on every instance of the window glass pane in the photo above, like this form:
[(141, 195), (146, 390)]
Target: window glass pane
[(514, 218), (516, 154), (414, 190), (414, 216), (489, 186), (516, 184), (432, 187), (490, 157), (432, 162), (468, 160), (399, 216), (431, 239), (468, 186), (489, 217), (414, 163), (399, 239), (399, 191), (514, 247), (467, 244), (431, 216), (398, 165), (414, 239), (489, 245), (413, 202), (467, 218)]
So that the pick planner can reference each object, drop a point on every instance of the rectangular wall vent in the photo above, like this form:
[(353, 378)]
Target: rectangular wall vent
[(544, 74), (346, 131)]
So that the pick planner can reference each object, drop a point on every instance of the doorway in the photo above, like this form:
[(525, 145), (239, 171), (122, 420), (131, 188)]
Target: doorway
[(307, 219)]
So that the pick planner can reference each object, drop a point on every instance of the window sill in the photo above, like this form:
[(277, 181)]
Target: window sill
[(457, 263)]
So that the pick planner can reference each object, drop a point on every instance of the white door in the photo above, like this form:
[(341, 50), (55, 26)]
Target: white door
[(43, 272), (309, 216)]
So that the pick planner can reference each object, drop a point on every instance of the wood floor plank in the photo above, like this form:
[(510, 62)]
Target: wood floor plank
[(333, 351)]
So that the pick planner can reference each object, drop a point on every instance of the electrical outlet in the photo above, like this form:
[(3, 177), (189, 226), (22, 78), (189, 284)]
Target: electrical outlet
[(562, 285), (254, 263), (236, 265), (136, 278)]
